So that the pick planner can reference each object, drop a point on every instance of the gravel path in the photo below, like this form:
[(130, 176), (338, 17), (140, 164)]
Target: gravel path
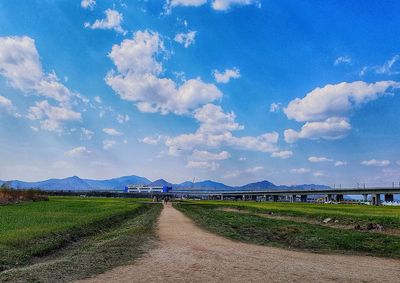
[(189, 254)]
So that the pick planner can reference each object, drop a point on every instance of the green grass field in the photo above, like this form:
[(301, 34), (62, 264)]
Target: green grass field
[(255, 226), (31, 230), (389, 216)]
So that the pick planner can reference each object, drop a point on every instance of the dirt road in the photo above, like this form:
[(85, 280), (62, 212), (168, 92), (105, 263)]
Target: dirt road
[(189, 254)]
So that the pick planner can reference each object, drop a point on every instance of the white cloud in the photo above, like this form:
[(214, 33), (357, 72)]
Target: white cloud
[(138, 78), (282, 154), (398, 162), (342, 60), (336, 100), (209, 156), (374, 162), (112, 21), (242, 158), (340, 163), (122, 118), (20, 65), (225, 76), (317, 159), (52, 116), (8, 106), (97, 99), (216, 130), (218, 5), (319, 174), (300, 170), (224, 5), (390, 67), (254, 169), (86, 134), (275, 107), (151, 140), (330, 129), (202, 165), (112, 132), (107, 144), (88, 4), (186, 3), (186, 39), (78, 151)]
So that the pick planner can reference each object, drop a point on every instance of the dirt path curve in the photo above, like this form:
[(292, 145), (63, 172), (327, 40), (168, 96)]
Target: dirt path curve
[(189, 254)]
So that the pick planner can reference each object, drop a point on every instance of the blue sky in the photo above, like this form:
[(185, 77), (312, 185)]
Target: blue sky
[(230, 90)]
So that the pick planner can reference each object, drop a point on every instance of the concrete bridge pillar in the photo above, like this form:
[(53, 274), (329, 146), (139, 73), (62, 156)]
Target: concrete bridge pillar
[(222, 197), (303, 198), (275, 198), (365, 197), (339, 197), (328, 197), (293, 198), (376, 199), (389, 197), (244, 197), (253, 197)]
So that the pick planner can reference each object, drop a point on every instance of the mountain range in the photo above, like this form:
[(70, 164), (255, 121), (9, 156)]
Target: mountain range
[(77, 184)]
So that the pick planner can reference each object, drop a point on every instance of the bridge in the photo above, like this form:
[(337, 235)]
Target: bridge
[(293, 195)]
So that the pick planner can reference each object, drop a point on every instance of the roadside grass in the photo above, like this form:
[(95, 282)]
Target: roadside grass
[(35, 229), (388, 216), (95, 254), (255, 229)]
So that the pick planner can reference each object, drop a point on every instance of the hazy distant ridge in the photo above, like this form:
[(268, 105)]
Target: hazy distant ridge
[(75, 183)]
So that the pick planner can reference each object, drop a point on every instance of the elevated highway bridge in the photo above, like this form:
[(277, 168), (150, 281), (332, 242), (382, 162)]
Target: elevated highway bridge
[(293, 194)]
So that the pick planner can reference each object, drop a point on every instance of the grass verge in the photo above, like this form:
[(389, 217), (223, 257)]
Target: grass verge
[(35, 229), (388, 216), (290, 234), (109, 248)]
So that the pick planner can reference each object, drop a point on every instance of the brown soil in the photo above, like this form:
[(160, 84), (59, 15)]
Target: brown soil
[(189, 254)]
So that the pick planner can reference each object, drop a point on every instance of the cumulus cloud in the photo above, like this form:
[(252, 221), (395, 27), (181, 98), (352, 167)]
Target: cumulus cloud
[(186, 3), (255, 169), (225, 76), (112, 132), (300, 170), (7, 105), (202, 165), (330, 129), (186, 39), (317, 159), (374, 162), (107, 144), (51, 117), (78, 151), (215, 130), (336, 100), (98, 99), (86, 134), (138, 78), (275, 107), (325, 109), (282, 154), (88, 4), (218, 5), (151, 140), (112, 21), (122, 118), (342, 60), (224, 5), (20, 65), (209, 156), (340, 163)]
